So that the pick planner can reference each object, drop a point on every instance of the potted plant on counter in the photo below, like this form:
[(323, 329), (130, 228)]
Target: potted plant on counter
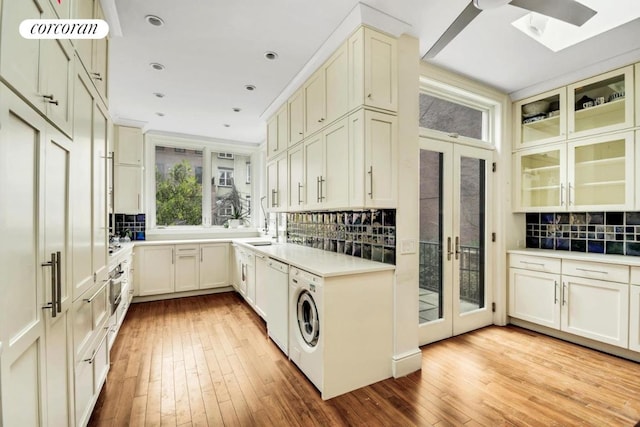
[(239, 208)]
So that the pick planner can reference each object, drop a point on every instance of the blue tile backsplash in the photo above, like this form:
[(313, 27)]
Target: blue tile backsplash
[(134, 225), (615, 233), (370, 234)]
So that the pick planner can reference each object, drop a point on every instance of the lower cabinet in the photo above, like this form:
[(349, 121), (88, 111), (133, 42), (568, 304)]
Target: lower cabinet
[(260, 285), (163, 269), (90, 374), (564, 295)]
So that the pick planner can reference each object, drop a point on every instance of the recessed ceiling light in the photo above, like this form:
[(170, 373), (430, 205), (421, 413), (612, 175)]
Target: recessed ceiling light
[(154, 20), (250, 87), (236, 109), (160, 114), (157, 66), (271, 55), (226, 125), (158, 95)]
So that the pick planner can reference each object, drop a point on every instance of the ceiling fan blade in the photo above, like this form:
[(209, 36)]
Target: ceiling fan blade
[(454, 29), (565, 10)]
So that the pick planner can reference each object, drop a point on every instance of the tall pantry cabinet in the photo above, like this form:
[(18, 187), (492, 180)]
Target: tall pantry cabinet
[(54, 133)]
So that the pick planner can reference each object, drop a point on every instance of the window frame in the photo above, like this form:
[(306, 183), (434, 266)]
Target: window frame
[(490, 109), (208, 148), (226, 170)]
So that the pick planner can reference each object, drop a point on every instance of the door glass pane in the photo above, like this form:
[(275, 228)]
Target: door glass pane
[(540, 179), (600, 174), (430, 304), (471, 246)]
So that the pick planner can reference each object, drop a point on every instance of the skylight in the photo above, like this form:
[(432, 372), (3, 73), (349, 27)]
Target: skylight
[(558, 35)]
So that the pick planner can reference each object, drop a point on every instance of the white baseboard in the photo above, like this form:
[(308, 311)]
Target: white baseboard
[(148, 298), (406, 363)]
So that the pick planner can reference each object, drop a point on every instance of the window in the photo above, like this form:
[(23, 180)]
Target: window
[(178, 190), (199, 173), (248, 171), (225, 177), (224, 209), (456, 112), (225, 156)]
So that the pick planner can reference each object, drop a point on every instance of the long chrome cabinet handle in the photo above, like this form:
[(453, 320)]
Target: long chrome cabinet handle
[(586, 270), (555, 291), (564, 290), (59, 281), (562, 194), (532, 263), (54, 265), (457, 247), (449, 251), (299, 198), (92, 297), (570, 198), (370, 182)]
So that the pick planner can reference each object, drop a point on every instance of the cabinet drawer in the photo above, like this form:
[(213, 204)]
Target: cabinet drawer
[(596, 270), (537, 263), (635, 275)]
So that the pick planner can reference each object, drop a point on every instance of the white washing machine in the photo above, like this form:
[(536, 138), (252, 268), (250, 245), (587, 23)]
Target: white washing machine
[(305, 324)]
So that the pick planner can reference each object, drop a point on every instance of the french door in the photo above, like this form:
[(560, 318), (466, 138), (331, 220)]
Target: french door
[(455, 289)]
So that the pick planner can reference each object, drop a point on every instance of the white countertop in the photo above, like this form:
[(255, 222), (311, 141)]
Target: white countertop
[(119, 255), (316, 261), (580, 256)]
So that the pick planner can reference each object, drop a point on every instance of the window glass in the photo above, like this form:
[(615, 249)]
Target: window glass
[(452, 117), (231, 188), (178, 188)]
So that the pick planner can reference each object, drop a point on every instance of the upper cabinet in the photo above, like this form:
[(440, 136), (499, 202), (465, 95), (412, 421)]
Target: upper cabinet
[(93, 52), (277, 132), (42, 71), (296, 117), (601, 104), (541, 119), (129, 146), (373, 70)]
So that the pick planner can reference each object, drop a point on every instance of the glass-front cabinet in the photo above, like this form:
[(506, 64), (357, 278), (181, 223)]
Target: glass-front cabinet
[(541, 119), (604, 103), (541, 179), (591, 174)]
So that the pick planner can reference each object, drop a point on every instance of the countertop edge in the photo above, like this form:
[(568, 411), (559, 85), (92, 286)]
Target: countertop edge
[(579, 256)]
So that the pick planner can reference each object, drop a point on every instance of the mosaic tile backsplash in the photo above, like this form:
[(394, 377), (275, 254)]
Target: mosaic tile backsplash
[(370, 235), (615, 233), (134, 223)]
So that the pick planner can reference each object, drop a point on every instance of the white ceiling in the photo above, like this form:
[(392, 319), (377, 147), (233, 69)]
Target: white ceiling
[(213, 48)]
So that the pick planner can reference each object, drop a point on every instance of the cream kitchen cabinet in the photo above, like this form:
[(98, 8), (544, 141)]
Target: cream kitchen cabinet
[(296, 178), (261, 285), (214, 265), (296, 117), (187, 268), (277, 177), (278, 132), (603, 103), (634, 310), (42, 71), (326, 93), (154, 270), (91, 370), (534, 290), (128, 180), (373, 159), (541, 119), (326, 169), (589, 174), (373, 70), (129, 143), (583, 298), (93, 52)]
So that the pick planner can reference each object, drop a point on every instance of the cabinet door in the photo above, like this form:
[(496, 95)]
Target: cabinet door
[(84, 10), (187, 268), (56, 73), (99, 68), (100, 223), (540, 179), (601, 104), (283, 129), (596, 309), (313, 171), (214, 265), (601, 173), (534, 297), (20, 57), (129, 146), (296, 117), (541, 119), (250, 278), (296, 177), (380, 160), (272, 184), (634, 318), (260, 285), (380, 70), (314, 103), (356, 158), (336, 94), (272, 136), (334, 186), (282, 193), (155, 267), (128, 184)]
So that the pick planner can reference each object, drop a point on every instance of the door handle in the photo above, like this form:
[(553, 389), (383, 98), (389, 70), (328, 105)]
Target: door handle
[(322, 180), (54, 275), (555, 291), (570, 198), (299, 199), (562, 194), (457, 247), (317, 189), (564, 289), (200, 254), (370, 182), (59, 281), (449, 251)]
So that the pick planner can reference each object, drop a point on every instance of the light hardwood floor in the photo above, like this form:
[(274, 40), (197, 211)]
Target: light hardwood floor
[(207, 361)]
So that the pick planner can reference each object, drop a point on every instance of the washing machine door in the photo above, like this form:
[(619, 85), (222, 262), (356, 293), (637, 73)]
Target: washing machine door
[(308, 322)]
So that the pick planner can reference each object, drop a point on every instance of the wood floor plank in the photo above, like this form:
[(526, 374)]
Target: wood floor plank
[(207, 361)]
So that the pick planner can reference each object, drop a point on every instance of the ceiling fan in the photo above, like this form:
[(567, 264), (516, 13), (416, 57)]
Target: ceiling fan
[(565, 10)]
